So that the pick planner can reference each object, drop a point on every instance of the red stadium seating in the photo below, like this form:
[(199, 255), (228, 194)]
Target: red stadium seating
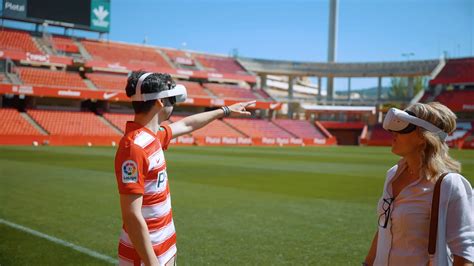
[(71, 123), (456, 71), (263, 94), (64, 44), (342, 125), (217, 128), (380, 136), (457, 100), (14, 124), (230, 91), (136, 57), (108, 81), (119, 120), (194, 88), (45, 77), (256, 128), (220, 64), (17, 41), (179, 57), (300, 128)]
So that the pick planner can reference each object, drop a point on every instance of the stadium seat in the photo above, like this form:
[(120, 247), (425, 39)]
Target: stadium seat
[(230, 91), (68, 123), (118, 120), (217, 128), (136, 57), (65, 44), (17, 41), (46, 77), (14, 124), (108, 81), (258, 128), (180, 58), (263, 95), (300, 128), (194, 88), (456, 71), (456, 99), (380, 134), (220, 64)]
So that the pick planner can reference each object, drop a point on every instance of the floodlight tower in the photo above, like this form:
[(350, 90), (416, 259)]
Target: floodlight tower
[(332, 43)]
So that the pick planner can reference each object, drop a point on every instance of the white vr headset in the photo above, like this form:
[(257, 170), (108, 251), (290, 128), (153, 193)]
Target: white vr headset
[(178, 92), (403, 122)]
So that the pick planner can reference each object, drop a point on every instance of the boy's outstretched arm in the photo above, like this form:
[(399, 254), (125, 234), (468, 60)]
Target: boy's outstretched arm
[(194, 122)]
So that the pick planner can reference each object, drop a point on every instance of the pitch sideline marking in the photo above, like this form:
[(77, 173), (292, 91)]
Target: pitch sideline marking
[(61, 242)]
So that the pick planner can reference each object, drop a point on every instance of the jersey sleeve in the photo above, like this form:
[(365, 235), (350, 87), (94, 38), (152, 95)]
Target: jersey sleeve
[(165, 135), (130, 169)]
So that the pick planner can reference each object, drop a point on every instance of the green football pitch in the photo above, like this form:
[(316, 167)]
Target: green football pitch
[(232, 205)]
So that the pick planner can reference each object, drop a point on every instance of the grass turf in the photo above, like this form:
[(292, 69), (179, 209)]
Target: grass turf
[(232, 205)]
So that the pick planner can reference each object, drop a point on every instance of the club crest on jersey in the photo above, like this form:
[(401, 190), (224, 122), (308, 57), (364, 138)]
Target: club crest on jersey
[(129, 172)]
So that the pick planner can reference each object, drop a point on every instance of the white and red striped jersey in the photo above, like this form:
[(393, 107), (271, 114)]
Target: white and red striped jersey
[(140, 168)]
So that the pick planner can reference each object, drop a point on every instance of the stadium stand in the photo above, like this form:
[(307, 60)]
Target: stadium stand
[(230, 91), (136, 57), (194, 88), (64, 44), (45, 77), (71, 123), (456, 71), (346, 133), (256, 128), (380, 137), (468, 141), (263, 94), (462, 132), (457, 100), (14, 124), (108, 81), (118, 120), (16, 40), (217, 128), (220, 64), (300, 128), (180, 58), (108, 56)]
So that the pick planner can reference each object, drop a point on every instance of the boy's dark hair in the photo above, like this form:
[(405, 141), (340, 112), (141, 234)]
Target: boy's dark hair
[(155, 82)]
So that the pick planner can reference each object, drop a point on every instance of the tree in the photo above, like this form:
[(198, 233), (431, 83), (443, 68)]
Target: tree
[(400, 87)]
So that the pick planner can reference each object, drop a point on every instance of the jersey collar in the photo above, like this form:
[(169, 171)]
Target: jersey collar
[(133, 126)]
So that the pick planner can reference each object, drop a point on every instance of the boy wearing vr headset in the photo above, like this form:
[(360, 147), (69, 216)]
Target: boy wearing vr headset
[(148, 235)]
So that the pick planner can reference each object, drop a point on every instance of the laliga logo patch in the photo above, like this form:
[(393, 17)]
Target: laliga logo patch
[(129, 172)]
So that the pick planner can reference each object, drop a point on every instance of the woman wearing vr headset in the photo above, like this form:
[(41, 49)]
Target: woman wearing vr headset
[(404, 236), (148, 233)]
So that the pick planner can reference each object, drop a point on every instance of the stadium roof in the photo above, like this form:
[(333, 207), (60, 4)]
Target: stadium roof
[(338, 108), (315, 69)]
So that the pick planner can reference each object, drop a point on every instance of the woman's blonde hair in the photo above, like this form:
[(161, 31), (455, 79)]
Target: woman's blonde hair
[(434, 155)]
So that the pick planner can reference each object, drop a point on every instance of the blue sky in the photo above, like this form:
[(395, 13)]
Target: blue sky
[(368, 30)]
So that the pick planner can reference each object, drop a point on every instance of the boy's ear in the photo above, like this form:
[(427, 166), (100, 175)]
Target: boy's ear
[(159, 103)]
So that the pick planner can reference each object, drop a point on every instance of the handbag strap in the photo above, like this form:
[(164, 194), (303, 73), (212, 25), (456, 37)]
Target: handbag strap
[(434, 215)]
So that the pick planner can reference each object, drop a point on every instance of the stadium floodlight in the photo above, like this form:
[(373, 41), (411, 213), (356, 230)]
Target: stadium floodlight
[(408, 55), (404, 122), (178, 93)]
